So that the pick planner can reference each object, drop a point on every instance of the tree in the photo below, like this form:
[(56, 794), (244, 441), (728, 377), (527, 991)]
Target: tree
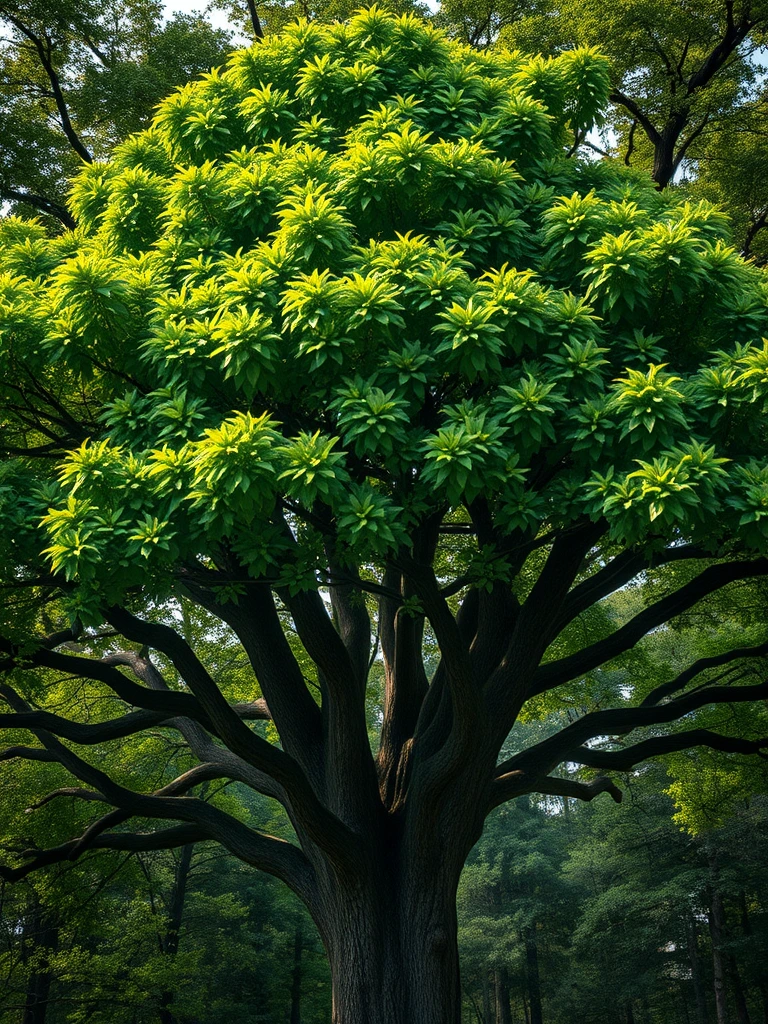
[(687, 85), (321, 357), (76, 78)]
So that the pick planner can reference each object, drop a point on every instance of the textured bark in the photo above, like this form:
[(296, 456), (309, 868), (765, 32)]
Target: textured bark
[(394, 962)]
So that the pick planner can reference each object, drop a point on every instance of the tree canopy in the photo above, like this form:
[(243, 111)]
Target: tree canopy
[(349, 341)]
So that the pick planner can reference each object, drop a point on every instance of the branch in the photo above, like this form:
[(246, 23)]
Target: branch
[(555, 673), (169, 702), (44, 49), (626, 759), (28, 753), (273, 855), (658, 693), (547, 755), (616, 96), (75, 792), (323, 827), (733, 37), (256, 623), (162, 839), (80, 733), (518, 783), (200, 742), (41, 203), (536, 625), (258, 31)]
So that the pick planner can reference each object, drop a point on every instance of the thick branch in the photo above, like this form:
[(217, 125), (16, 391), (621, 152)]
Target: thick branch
[(162, 839), (707, 582), (518, 783), (637, 113), (258, 31), (257, 625), (323, 827), (680, 681), (547, 755), (44, 49), (40, 203), (624, 760)]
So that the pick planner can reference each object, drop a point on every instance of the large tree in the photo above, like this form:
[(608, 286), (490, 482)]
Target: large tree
[(345, 344)]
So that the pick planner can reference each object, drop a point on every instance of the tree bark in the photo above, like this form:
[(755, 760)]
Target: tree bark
[(501, 985), (393, 961)]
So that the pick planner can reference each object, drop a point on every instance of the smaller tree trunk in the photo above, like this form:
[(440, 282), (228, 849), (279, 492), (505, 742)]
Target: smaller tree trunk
[(692, 936), (501, 986), (298, 940), (742, 1011), (717, 932), (534, 983), (170, 943), (40, 939)]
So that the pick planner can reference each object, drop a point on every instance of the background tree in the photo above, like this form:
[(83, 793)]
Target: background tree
[(686, 85), (76, 78), (320, 357)]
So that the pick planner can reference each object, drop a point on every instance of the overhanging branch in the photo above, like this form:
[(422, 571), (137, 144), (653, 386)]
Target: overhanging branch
[(555, 673)]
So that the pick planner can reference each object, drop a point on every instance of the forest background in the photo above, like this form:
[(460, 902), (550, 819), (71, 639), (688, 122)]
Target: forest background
[(652, 910)]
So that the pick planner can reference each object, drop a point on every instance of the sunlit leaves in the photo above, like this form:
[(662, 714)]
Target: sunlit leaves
[(246, 344), (355, 279), (371, 421), (471, 344), (233, 472), (312, 468), (651, 405)]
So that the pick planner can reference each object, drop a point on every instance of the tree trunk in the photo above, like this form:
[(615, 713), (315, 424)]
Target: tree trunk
[(717, 932), (41, 937), (501, 985), (762, 978), (742, 1012), (702, 1013), (170, 943), (486, 998), (630, 1013), (393, 961), (296, 980), (532, 965)]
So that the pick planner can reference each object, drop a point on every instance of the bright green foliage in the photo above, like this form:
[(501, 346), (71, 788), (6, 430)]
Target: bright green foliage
[(267, 323)]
